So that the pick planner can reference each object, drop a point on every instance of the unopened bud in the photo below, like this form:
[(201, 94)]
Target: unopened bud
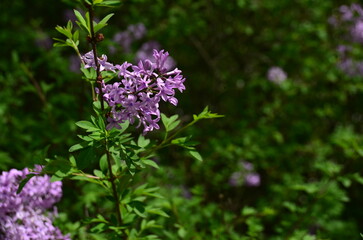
[(99, 37), (89, 39)]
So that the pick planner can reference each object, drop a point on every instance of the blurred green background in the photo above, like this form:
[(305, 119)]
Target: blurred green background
[(302, 139)]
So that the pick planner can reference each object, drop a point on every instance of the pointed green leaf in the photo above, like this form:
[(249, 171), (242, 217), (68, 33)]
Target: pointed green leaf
[(79, 146), (196, 155), (87, 125), (102, 23), (150, 163), (24, 181), (158, 212)]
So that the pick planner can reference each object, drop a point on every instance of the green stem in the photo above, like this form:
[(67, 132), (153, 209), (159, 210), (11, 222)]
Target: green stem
[(166, 140), (94, 49), (99, 82), (114, 190)]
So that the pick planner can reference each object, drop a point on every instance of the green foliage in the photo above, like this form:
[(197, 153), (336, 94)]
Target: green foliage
[(304, 137)]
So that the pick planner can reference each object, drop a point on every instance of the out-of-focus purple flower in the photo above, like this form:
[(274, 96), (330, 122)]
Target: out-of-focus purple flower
[(276, 75), (125, 40), (146, 52), (350, 67), (252, 180), (28, 224), (245, 176), (247, 165), (343, 50), (127, 37), (24, 215), (137, 95), (357, 32), (138, 30)]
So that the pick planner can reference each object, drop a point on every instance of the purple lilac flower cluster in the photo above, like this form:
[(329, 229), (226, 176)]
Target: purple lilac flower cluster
[(349, 20), (24, 216), (245, 176), (276, 75), (140, 89)]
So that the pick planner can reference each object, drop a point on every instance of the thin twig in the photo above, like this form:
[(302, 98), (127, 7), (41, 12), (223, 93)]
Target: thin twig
[(99, 82)]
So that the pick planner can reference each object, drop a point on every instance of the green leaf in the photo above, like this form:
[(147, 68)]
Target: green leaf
[(81, 21), (90, 127), (97, 1), (150, 163), (110, 3), (98, 173), (142, 141), (76, 37), (206, 114), (103, 163), (64, 31), (24, 181), (158, 212), (86, 157), (358, 178), (58, 164), (248, 211), (79, 146), (102, 23), (170, 123), (196, 155)]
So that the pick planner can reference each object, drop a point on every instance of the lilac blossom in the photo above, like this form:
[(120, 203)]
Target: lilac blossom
[(349, 20), (276, 75), (245, 176), (25, 215), (137, 94), (124, 39), (28, 224), (137, 31), (89, 61), (146, 52), (127, 37), (252, 179), (357, 32)]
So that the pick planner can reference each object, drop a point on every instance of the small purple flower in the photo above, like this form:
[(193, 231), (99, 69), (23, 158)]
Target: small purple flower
[(245, 176), (147, 50), (349, 20), (247, 165), (252, 180), (127, 37), (125, 40), (357, 32), (89, 61), (276, 75), (138, 30)]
